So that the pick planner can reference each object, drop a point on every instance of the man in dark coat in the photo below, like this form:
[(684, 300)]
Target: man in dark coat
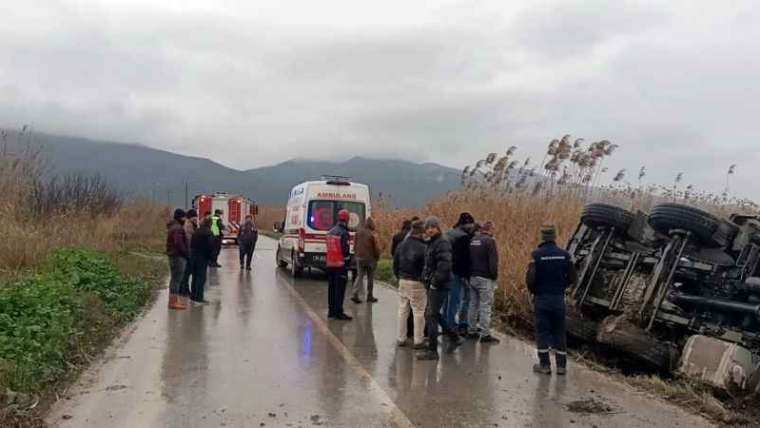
[(550, 272), (484, 271), (338, 262), (178, 253), (406, 226), (201, 252), (458, 301), (437, 275), (247, 237)]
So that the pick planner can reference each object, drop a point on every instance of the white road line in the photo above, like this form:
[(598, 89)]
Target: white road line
[(397, 417)]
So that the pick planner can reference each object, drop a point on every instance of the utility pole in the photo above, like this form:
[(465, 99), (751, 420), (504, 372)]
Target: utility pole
[(187, 194)]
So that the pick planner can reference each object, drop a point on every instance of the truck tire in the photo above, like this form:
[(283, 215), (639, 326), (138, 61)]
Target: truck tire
[(617, 332), (605, 215), (579, 328), (705, 227)]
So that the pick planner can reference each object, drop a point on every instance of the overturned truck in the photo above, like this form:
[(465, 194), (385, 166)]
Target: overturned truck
[(677, 289)]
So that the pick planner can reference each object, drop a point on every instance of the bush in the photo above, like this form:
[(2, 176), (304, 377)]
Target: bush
[(385, 271)]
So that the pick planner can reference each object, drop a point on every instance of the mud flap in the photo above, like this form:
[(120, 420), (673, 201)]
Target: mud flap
[(722, 364), (620, 334)]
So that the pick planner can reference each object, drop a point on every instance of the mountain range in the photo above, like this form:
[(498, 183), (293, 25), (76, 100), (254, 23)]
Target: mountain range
[(142, 172)]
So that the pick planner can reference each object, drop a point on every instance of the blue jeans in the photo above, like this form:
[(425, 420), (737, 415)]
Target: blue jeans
[(453, 304)]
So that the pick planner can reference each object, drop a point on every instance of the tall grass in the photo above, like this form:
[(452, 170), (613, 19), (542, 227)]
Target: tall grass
[(42, 214)]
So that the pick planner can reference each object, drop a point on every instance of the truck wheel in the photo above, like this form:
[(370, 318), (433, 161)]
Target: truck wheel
[(581, 329), (282, 264), (705, 227), (620, 334), (605, 215), (295, 269)]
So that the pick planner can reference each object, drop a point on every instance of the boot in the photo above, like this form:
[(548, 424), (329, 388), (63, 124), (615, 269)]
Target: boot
[(561, 361), (174, 303)]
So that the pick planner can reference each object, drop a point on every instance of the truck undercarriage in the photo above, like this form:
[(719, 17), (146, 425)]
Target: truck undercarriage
[(677, 289)]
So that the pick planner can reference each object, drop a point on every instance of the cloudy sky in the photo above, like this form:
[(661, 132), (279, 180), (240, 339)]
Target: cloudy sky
[(250, 83)]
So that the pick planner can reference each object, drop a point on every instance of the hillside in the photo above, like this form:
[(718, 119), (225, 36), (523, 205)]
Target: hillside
[(143, 172)]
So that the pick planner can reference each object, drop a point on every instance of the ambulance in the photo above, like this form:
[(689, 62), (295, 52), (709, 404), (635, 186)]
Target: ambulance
[(312, 210)]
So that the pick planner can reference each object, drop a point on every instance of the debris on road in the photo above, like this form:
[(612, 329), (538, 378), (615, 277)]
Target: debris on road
[(590, 406)]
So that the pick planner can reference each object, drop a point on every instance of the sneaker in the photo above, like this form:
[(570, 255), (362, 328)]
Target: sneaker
[(247, 268), (242, 267), (490, 339), (197, 303), (454, 343), (371, 299), (538, 368), (561, 371), (473, 336), (403, 343), (428, 356), (421, 346), (343, 317), (356, 300)]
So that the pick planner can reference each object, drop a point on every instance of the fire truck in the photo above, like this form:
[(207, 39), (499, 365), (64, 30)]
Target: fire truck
[(234, 209)]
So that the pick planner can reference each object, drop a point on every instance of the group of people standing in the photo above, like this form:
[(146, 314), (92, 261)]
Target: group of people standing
[(445, 280), (193, 245)]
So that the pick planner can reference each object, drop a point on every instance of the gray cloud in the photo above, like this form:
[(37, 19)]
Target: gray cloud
[(672, 83)]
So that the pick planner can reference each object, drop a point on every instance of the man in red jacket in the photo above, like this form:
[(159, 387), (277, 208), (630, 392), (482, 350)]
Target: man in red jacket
[(178, 253)]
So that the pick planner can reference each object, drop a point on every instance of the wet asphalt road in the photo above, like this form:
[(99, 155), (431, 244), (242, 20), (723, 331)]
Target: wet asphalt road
[(262, 353)]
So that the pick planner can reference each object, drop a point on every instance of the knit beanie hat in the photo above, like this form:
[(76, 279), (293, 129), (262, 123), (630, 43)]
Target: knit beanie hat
[(179, 214), (548, 233)]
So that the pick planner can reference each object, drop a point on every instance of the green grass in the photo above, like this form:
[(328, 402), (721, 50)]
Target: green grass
[(385, 272), (54, 320)]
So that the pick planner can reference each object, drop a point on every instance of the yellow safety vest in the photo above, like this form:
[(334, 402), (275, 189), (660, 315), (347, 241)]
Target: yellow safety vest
[(215, 226)]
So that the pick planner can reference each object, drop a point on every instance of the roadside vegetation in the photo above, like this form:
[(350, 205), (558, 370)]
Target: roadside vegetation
[(76, 264)]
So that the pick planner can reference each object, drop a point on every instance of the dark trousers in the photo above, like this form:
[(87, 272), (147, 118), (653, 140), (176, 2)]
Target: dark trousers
[(550, 329), (246, 252), (433, 318), (184, 286), (200, 264), (336, 290), (217, 249)]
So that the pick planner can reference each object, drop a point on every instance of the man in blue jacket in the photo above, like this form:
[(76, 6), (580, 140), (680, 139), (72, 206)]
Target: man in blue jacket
[(550, 272)]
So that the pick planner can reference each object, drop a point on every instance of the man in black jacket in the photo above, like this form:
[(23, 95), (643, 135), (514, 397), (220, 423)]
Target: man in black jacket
[(201, 252), (406, 226), (408, 267), (338, 261), (458, 301), (437, 276), (484, 267)]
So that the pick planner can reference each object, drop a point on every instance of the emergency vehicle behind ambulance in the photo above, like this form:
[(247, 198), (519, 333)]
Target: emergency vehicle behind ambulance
[(234, 209), (312, 211)]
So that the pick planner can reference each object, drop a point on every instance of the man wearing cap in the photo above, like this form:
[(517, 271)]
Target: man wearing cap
[(177, 251), (338, 261), (484, 271), (437, 275), (550, 272)]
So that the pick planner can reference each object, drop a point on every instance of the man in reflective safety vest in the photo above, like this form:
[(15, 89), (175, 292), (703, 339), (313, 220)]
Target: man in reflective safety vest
[(550, 272), (217, 227), (337, 263)]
